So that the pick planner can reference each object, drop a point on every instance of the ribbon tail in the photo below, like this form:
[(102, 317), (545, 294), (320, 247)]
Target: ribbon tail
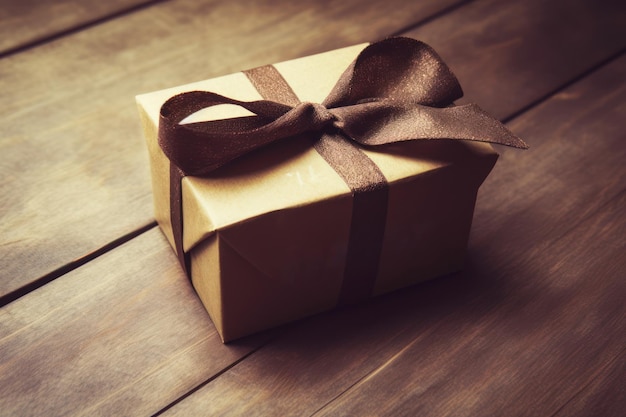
[(470, 122), (379, 124)]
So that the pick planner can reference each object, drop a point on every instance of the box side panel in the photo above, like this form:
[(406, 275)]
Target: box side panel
[(283, 266), (429, 220), (428, 226), (205, 271)]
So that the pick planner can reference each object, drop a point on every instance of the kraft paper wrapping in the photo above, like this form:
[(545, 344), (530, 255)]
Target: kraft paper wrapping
[(268, 233)]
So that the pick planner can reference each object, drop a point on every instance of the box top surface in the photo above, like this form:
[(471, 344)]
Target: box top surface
[(291, 173)]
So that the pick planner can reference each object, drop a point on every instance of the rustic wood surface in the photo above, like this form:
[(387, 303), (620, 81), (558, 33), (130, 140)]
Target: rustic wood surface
[(25, 23), (98, 319)]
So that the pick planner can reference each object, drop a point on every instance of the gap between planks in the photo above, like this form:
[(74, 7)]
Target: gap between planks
[(592, 381), (212, 378), (51, 276), (431, 18), (369, 374), (38, 41), (569, 83)]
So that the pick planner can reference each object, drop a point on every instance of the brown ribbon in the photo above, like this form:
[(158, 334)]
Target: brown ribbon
[(396, 90), (365, 180)]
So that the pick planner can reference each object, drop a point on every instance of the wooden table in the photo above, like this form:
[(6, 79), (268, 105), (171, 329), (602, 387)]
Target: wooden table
[(97, 318)]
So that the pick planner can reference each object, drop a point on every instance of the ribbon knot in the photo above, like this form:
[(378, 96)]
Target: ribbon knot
[(312, 116)]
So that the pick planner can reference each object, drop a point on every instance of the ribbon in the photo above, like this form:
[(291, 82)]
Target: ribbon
[(396, 90)]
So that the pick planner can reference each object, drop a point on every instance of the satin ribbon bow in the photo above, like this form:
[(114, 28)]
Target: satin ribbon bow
[(396, 90)]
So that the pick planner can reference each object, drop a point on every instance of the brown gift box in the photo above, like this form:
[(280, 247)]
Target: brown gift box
[(268, 233)]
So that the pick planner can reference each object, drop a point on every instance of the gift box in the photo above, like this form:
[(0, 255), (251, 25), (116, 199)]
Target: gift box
[(331, 203)]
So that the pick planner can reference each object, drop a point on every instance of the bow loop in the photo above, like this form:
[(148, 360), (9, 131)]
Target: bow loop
[(397, 68)]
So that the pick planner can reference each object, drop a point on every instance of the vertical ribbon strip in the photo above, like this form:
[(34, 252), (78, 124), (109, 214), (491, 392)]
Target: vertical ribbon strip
[(365, 180)]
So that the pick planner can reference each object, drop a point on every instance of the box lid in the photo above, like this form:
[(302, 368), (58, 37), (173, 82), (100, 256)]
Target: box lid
[(291, 173)]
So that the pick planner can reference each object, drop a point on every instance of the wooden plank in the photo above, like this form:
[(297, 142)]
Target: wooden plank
[(528, 354), (27, 22), (538, 310), (123, 335), (604, 396), (507, 55), (368, 334), (71, 141)]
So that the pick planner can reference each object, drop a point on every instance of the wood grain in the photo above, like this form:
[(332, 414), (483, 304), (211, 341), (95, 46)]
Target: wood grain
[(603, 396), (74, 166), (508, 55), (112, 338), (525, 356), (24, 23), (537, 311)]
